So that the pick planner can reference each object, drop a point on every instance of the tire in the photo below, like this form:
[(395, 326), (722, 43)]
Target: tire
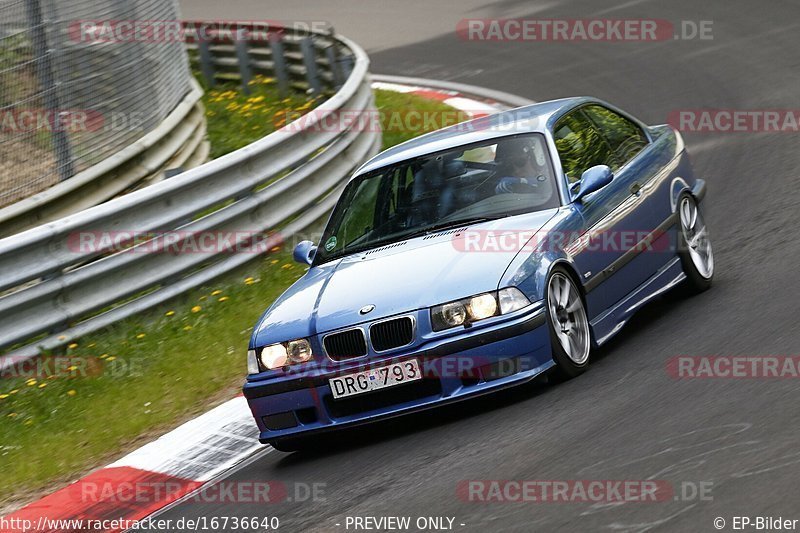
[(694, 246), (568, 323)]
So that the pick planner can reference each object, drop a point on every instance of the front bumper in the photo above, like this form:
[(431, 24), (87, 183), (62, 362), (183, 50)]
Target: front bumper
[(468, 364)]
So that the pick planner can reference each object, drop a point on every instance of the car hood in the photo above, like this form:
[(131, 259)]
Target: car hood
[(397, 278)]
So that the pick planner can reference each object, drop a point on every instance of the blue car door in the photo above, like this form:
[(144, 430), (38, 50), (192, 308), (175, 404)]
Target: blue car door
[(618, 216)]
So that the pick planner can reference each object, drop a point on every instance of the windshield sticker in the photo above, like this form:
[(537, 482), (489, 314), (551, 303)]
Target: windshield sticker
[(330, 244)]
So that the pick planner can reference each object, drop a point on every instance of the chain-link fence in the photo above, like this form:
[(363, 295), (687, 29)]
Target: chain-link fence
[(75, 88)]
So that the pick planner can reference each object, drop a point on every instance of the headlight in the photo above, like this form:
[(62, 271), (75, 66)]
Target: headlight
[(274, 356), (479, 307), (299, 351), (284, 354), (482, 306)]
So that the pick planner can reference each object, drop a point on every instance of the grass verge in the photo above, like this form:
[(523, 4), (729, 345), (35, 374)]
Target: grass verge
[(115, 390)]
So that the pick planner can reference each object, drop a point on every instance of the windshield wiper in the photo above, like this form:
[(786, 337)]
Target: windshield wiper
[(435, 228), (410, 235)]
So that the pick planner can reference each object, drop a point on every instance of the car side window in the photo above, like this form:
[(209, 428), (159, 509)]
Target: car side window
[(625, 137), (580, 146)]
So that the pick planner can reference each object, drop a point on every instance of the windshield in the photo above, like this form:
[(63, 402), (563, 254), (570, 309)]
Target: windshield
[(483, 181)]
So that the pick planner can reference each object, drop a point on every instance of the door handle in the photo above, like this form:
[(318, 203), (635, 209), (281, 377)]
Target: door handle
[(636, 189)]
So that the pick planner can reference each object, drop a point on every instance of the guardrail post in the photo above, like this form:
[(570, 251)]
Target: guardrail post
[(332, 54), (206, 62), (279, 63), (44, 72), (310, 62), (243, 57), (347, 63)]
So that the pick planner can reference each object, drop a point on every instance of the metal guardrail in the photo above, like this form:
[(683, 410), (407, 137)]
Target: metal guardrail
[(286, 181)]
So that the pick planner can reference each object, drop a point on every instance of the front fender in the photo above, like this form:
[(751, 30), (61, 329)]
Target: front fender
[(549, 247)]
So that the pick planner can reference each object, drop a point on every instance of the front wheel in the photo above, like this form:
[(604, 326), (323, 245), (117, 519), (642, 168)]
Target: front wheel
[(694, 246), (569, 326)]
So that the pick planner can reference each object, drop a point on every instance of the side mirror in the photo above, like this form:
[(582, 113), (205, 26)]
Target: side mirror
[(593, 180), (304, 252)]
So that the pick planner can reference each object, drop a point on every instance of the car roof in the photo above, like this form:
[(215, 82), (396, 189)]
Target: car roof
[(528, 119)]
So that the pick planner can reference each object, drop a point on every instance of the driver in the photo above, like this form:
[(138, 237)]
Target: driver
[(518, 170)]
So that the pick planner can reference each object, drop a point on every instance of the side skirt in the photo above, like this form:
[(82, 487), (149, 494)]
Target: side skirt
[(608, 323)]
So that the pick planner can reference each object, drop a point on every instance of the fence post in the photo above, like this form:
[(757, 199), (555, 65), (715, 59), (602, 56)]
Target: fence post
[(206, 61), (245, 71), (279, 63), (332, 54), (44, 72), (310, 62)]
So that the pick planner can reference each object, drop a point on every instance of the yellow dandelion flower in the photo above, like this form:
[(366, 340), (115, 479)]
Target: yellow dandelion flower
[(29, 422), (104, 356), (216, 292), (72, 346), (286, 266), (92, 345), (273, 261), (169, 313), (202, 298), (187, 328), (141, 335), (42, 385), (72, 368), (275, 249), (196, 309), (14, 391), (224, 298), (12, 415), (31, 382), (71, 393), (111, 358), (3, 396), (248, 279)]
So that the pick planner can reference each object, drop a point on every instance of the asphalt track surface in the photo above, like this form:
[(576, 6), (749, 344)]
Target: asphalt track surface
[(626, 419)]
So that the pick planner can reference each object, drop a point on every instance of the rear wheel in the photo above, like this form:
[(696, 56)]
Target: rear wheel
[(694, 246), (569, 326)]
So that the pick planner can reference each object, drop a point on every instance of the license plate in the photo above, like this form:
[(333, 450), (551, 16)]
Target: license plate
[(375, 379)]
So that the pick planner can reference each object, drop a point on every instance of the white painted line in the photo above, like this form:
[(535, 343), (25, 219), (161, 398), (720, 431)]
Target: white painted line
[(472, 106), (201, 448)]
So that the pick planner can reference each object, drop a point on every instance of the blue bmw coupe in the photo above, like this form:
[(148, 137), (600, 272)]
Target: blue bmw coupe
[(475, 258)]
